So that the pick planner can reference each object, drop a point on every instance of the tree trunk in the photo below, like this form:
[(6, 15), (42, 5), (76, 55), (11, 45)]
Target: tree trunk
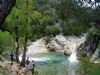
[(17, 40), (5, 9), (17, 36), (26, 36)]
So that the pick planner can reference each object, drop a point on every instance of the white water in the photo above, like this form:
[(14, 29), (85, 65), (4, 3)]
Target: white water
[(73, 58), (36, 58)]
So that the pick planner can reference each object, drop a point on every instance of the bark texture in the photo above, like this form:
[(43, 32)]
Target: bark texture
[(5, 8)]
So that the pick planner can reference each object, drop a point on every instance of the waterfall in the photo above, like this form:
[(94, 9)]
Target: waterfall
[(73, 43), (72, 58)]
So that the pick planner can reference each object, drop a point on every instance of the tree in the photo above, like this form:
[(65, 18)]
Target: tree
[(17, 36), (26, 36), (72, 17)]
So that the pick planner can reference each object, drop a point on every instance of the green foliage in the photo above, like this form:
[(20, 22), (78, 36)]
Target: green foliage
[(95, 70), (88, 68), (94, 31), (75, 18), (44, 15), (95, 14), (98, 47), (6, 41), (74, 27), (52, 30), (85, 67), (37, 20)]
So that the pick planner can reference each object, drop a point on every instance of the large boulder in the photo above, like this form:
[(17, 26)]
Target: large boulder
[(5, 8)]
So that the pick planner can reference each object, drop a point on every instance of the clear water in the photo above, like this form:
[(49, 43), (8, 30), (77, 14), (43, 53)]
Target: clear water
[(58, 64)]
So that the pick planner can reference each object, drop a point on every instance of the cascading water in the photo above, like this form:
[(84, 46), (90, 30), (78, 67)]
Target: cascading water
[(72, 59)]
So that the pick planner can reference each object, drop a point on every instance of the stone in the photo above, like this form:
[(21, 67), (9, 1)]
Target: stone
[(96, 57), (89, 46)]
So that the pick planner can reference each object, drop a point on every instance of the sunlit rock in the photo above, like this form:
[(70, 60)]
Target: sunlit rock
[(96, 57)]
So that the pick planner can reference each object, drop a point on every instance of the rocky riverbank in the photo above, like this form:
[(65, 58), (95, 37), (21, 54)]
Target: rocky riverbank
[(59, 43)]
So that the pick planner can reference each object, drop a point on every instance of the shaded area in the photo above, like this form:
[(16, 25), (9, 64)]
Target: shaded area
[(5, 8)]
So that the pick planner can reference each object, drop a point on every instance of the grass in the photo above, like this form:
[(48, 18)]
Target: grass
[(95, 70), (87, 68)]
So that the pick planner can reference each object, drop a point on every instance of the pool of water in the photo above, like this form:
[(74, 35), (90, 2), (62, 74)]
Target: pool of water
[(52, 69), (57, 64), (52, 64)]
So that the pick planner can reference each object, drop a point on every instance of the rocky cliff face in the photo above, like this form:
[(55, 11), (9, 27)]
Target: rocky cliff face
[(89, 46), (5, 8), (65, 43)]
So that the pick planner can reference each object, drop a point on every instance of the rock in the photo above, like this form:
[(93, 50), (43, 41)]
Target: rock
[(96, 57), (38, 46), (67, 52), (59, 44), (89, 46), (62, 43)]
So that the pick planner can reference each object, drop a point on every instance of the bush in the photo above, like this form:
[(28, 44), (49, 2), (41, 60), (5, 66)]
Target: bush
[(52, 30), (6, 41)]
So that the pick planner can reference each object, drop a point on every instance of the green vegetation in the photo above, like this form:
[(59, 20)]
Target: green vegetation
[(3, 71), (87, 68), (98, 47), (95, 70), (50, 18), (6, 41)]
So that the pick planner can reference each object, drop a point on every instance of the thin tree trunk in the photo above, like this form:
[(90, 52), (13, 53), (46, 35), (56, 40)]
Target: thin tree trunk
[(17, 36), (17, 41), (26, 36)]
